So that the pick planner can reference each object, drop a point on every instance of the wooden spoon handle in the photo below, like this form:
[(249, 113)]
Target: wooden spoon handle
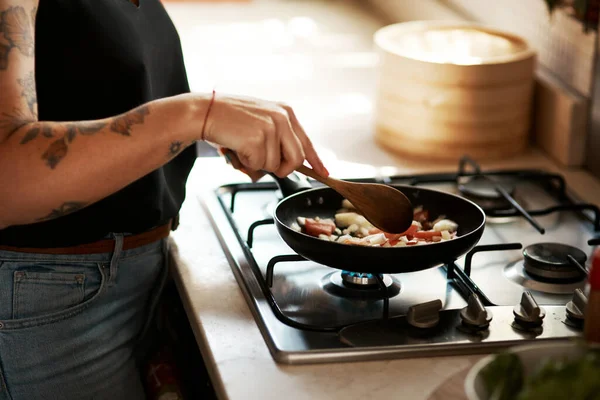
[(309, 172)]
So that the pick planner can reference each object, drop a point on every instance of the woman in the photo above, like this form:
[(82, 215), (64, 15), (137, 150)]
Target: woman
[(97, 128)]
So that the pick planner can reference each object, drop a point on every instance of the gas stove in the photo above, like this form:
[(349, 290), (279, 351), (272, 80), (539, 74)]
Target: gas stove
[(525, 280)]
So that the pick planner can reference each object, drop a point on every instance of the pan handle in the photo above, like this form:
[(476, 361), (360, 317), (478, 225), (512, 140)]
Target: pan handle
[(291, 184)]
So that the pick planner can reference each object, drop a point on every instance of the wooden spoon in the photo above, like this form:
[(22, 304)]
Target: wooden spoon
[(385, 207)]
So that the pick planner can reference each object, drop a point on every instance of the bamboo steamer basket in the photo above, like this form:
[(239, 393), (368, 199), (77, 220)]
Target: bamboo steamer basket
[(446, 89)]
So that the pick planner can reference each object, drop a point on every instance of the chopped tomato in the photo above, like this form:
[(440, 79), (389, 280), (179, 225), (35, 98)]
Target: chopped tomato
[(427, 234), (321, 221), (392, 236), (393, 242), (316, 228), (410, 231)]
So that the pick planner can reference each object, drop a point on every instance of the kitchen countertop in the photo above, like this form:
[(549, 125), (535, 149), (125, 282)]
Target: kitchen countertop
[(236, 355), (317, 56)]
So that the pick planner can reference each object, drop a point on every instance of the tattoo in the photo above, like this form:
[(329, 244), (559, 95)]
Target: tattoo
[(47, 131), (32, 133), (71, 132), (12, 121), (55, 152), (4, 50), (89, 128), (175, 148), (123, 123), (58, 148), (16, 27), (29, 93), (67, 208), (33, 16)]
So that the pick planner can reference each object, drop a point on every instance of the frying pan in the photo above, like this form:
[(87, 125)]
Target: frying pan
[(299, 201)]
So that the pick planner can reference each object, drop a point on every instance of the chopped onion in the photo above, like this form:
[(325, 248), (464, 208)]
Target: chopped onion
[(344, 238), (347, 204), (378, 238), (445, 225)]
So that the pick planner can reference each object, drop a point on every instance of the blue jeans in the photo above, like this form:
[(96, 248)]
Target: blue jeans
[(70, 325)]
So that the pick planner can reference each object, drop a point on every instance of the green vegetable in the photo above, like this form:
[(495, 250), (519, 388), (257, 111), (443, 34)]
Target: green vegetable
[(554, 379), (503, 377), (561, 379)]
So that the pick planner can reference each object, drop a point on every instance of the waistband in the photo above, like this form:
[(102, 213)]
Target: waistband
[(104, 245)]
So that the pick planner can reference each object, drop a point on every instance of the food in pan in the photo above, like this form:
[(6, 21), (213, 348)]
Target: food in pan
[(349, 227)]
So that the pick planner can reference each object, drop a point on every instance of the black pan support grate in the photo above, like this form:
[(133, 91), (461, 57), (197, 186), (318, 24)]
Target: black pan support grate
[(553, 184)]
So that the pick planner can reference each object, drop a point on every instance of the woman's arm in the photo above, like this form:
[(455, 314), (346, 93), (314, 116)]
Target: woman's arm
[(49, 169)]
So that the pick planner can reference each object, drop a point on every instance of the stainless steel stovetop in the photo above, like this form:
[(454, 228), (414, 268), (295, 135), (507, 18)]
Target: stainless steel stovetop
[(489, 299)]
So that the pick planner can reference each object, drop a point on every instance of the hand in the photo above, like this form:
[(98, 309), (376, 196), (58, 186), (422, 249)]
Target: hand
[(234, 161), (264, 135)]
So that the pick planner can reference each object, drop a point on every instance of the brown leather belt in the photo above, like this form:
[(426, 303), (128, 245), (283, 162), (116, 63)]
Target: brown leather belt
[(105, 245)]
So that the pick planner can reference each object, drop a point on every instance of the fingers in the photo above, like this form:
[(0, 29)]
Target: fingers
[(292, 155), (272, 145), (309, 150), (235, 162), (265, 136)]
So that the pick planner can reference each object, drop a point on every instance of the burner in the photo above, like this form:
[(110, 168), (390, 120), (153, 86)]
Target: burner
[(481, 191), (550, 261), (359, 285), (516, 273), (359, 278)]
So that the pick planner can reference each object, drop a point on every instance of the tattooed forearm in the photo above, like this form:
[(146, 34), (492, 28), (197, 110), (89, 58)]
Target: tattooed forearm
[(57, 150), (17, 29), (64, 134), (66, 208), (28, 85), (123, 123)]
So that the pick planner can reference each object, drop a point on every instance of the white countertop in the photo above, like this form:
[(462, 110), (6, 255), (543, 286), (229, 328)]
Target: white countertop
[(317, 56)]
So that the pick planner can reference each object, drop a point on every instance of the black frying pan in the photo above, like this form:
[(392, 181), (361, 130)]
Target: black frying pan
[(324, 202)]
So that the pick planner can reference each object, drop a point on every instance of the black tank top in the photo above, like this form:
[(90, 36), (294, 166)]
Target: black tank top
[(96, 59)]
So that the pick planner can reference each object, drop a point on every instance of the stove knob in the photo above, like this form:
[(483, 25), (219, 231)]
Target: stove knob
[(475, 315), (527, 313), (424, 315), (576, 307)]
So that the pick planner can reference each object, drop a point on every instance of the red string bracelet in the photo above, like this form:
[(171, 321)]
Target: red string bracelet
[(212, 100)]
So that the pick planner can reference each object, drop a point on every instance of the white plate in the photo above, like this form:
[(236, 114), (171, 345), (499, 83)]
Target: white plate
[(530, 355)]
